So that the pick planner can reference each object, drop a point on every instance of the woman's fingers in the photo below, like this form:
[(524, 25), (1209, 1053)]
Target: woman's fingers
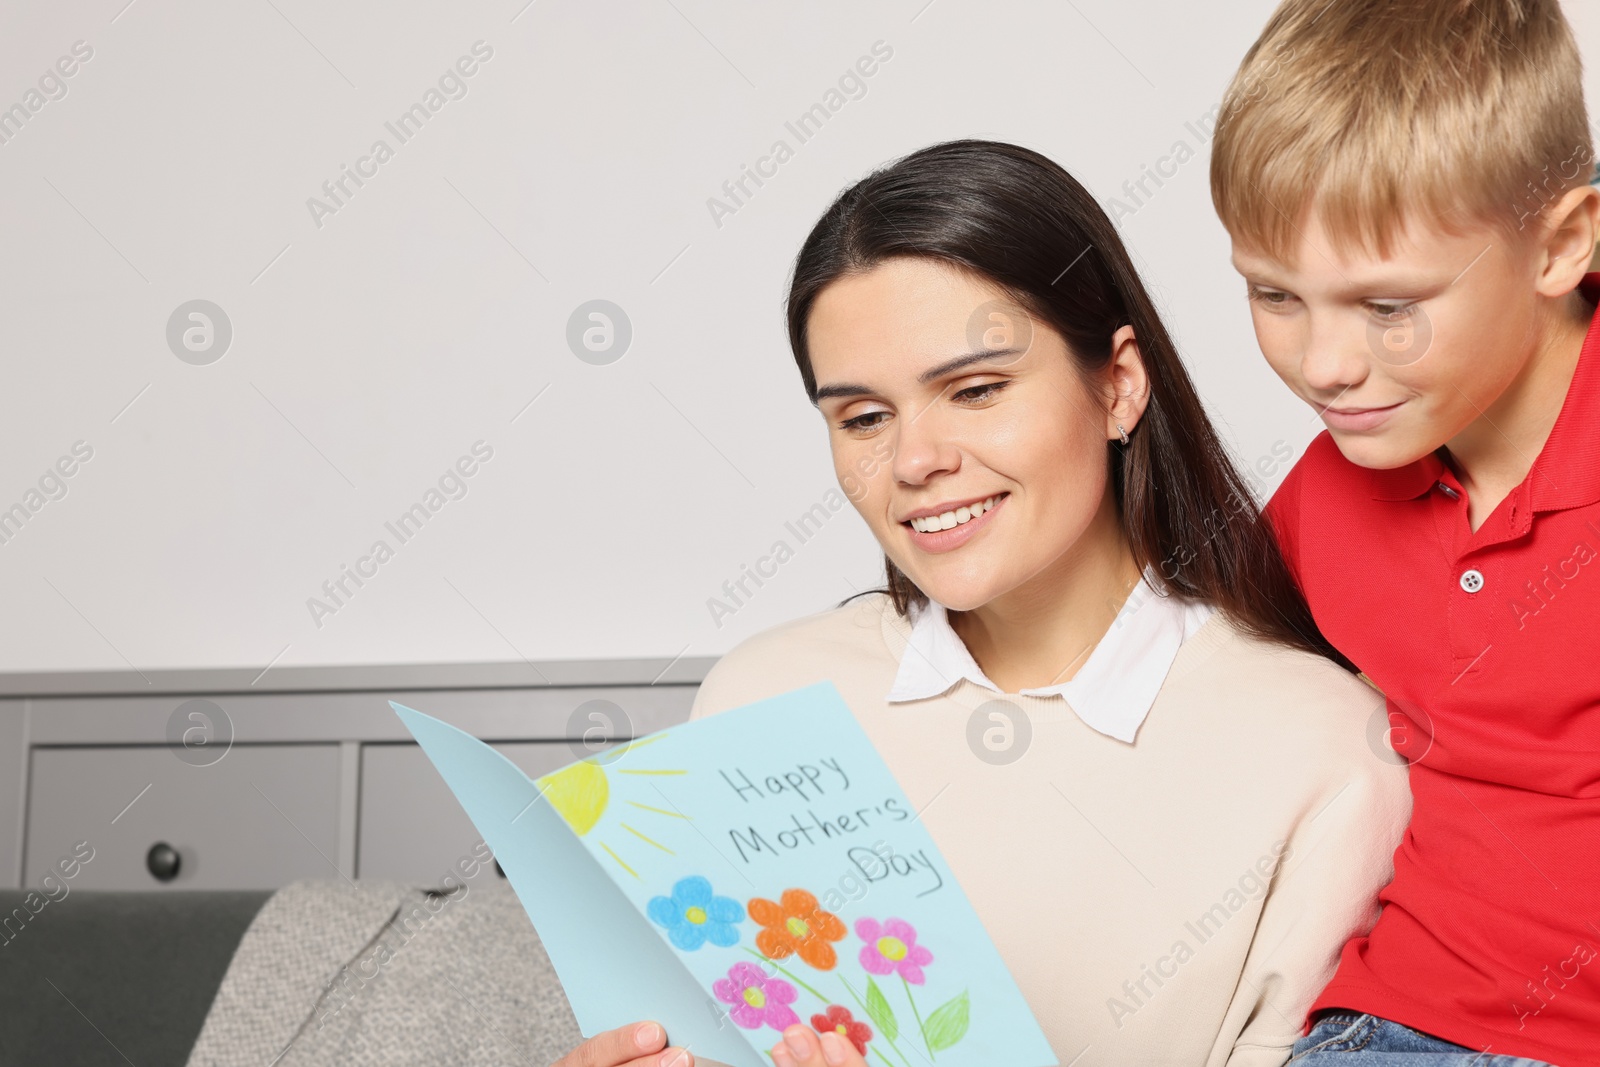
[(634, 1045), (802, 1047), (672, 1057)]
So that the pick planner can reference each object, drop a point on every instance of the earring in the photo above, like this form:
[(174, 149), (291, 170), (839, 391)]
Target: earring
[(1123, 432)]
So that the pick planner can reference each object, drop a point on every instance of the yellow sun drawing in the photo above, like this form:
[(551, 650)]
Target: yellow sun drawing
[(581, 793)]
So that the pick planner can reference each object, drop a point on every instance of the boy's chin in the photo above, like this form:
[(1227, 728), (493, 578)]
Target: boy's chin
[(1380, 451)]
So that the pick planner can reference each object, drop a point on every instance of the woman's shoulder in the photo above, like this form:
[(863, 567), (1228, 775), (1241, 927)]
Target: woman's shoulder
[(1266, 684), (843, 644), (1285, 722)]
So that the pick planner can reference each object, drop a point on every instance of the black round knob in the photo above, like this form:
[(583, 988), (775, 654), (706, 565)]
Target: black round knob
[(163, 862)]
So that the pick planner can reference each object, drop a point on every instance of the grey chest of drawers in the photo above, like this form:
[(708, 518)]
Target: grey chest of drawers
[(225, 779)]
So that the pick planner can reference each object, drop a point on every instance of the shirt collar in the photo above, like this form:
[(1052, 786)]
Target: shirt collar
[(1407, 482), (1114, 689), (1566, 473)]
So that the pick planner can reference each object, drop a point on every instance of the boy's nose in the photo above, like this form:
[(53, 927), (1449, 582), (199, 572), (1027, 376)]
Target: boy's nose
[(1331, 364)]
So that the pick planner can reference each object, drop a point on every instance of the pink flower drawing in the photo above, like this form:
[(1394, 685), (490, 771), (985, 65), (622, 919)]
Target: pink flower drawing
[(891, 948), (755, 999)]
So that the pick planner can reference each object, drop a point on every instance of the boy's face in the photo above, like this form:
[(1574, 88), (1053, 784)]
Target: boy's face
[(1397, 355)]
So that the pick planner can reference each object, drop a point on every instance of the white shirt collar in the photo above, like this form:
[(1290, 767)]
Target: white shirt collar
[(1114, 689)]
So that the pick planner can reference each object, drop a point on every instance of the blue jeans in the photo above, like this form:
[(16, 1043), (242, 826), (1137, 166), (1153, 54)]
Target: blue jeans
[(1355, 1039)]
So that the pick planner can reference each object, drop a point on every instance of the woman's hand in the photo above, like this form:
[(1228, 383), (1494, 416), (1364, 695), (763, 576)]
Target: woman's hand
[(634, 1045), (803, 1047)]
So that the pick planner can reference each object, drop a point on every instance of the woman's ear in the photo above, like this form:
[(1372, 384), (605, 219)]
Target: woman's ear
[(1127, 385)]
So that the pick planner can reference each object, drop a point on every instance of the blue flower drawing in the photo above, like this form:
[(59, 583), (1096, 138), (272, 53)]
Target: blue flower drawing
[(693, 916)]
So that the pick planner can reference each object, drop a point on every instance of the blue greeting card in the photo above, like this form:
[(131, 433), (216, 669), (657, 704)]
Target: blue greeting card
[(735, 874)]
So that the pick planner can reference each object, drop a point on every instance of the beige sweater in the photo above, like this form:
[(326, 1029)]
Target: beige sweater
[(1177, 901)]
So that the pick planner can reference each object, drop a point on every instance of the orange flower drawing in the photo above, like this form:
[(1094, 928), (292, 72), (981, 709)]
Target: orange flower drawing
[(797, 925)]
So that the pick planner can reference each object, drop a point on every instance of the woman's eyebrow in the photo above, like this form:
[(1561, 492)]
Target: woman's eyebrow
[(931, 374)]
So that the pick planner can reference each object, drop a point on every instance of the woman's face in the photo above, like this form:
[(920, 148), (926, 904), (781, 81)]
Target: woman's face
[(940, 394)]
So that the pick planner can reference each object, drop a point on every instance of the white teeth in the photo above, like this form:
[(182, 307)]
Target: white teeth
[(951, 519)]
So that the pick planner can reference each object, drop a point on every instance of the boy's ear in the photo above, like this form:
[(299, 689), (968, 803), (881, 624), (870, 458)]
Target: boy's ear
[(1571, 241)]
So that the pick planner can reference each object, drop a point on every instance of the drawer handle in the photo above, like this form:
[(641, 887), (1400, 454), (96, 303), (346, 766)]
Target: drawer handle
[(163, 862)]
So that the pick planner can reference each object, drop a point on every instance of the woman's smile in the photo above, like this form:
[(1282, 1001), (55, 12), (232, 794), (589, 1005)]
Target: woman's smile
[(952, 529)]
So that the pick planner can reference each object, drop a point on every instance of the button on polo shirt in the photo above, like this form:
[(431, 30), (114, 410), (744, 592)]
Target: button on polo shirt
[(1486, 645)]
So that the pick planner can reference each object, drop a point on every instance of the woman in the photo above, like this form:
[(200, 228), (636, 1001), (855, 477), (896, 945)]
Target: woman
[(1090, 670)]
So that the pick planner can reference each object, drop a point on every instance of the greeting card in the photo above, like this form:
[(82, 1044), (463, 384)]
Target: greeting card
[(735, 874)]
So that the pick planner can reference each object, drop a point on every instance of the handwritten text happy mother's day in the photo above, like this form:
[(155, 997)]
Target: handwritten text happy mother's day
[(825, 784)]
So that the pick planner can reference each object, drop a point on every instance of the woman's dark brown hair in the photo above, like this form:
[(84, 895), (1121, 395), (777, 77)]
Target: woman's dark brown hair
[(1015, 218)]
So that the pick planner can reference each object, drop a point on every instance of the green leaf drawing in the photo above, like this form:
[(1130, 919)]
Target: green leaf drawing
[(948, 1023), (881, 1014)]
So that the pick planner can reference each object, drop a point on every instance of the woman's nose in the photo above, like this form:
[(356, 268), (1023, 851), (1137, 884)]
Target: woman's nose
[(923, 447)]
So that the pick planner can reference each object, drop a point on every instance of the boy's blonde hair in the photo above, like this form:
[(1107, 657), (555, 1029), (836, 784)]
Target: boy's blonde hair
[(1462, 111)]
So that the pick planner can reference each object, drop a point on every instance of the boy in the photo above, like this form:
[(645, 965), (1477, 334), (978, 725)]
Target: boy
[(1406, 185)]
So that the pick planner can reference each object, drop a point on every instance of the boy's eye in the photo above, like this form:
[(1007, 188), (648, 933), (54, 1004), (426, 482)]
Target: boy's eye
[(1270, 297), (1392, 312)]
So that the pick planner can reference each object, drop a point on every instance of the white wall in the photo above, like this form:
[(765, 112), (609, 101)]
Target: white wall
[(372, 347)]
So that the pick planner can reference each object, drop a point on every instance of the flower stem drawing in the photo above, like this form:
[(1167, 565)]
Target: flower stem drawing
[(921, 1029)]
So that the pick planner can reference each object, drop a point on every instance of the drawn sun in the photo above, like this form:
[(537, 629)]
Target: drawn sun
[(581, 794)]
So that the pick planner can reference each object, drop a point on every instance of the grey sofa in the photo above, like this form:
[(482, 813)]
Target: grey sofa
[(325, 972), (112, 978)]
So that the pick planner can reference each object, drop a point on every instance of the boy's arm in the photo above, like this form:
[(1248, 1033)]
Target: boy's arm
[(1323, 893)]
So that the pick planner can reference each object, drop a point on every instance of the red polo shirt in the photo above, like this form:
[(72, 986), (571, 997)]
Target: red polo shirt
[(1486, 645)]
